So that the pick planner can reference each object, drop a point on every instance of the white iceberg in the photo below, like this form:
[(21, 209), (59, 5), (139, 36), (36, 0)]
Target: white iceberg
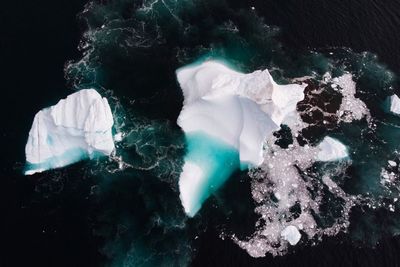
[(291, 234), (331, 149), (394, 104), (77, 127), (235, 109)]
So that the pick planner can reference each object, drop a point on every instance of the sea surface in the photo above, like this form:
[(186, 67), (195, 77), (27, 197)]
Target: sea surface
[(94, 214)]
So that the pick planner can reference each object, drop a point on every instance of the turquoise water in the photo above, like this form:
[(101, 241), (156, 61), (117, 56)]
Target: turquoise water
[(217, 160)]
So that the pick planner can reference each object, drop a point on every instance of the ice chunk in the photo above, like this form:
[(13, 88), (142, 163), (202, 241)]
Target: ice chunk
[(118, 137), (238, 111), (395, 104), (191, 180), (291, 234), (331, 149), (77, 127), (212, 79), (392, 163)]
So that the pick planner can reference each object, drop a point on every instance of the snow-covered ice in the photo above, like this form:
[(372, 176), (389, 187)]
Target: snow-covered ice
[(77, 127)]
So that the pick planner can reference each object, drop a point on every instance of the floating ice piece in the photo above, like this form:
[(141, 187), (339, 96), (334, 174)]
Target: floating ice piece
[(392, 163), (331, 149), (118, 137), (75, 128), (352, 108), (291, 234), (395, 104), (233, 111)]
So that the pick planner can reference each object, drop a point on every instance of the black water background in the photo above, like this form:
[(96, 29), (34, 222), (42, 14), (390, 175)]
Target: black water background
[(37, 38)]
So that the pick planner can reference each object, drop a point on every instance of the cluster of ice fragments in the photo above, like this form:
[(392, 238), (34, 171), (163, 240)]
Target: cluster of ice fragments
[(243, 110), (352, 108), (77, 127), (287, 195)]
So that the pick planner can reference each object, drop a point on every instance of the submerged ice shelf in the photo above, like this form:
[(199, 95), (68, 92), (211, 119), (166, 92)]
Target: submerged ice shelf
[(226, 117), (76, 128)]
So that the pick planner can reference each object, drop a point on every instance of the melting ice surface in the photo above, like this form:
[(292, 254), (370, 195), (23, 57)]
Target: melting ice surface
[(77, 127), (226, 117)]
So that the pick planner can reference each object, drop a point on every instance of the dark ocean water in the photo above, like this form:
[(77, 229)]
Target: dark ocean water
[(87, 215)]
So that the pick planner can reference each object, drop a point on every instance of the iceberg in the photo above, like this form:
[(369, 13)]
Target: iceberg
[(291, 234), (76, 128), (331, 149), (394, 104), (226, 116)]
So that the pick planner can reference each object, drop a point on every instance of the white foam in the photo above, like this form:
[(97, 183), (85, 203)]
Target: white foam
[(76, 127)]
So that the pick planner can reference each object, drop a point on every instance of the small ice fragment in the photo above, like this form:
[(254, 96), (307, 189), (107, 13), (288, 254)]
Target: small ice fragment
[(331, 149), (392, 163), (395, 104), (291, 234)]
